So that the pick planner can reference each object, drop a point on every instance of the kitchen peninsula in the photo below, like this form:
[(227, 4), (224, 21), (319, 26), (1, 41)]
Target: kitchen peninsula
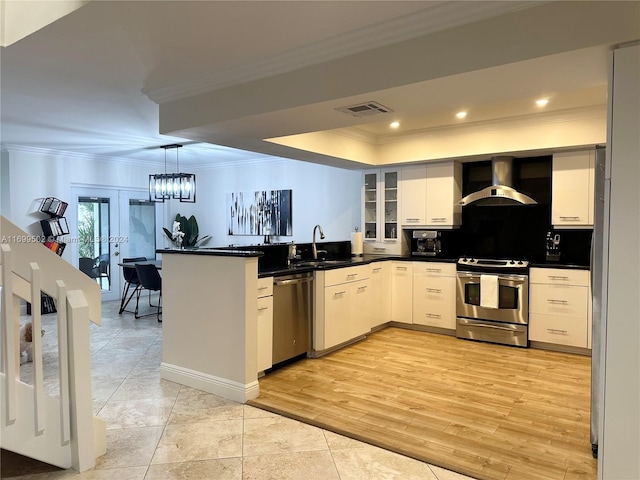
[(209, 327)]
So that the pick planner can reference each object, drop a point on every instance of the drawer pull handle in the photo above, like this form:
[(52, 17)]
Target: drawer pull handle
[(401, 268), (262, 288), (380, 249), (412, 219), (561, 302), (262, 308), (557, 277), (351, 274), (434, 270), (377, 269), (569, 218), (432, 315), (438, 219), (339, 293), (433, 290), (554, 330), (363, 287)]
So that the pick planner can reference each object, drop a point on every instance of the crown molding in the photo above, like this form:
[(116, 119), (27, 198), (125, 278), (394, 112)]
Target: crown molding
[(435, 17), (79, 155)]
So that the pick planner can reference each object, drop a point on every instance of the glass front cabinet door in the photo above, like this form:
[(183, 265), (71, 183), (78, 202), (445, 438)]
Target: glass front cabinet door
[(381, 197)]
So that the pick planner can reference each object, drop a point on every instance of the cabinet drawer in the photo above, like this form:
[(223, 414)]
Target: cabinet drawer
[(559, 276), (434, 268), (559, 300), (570, 331), (343, 275), (265, 287)]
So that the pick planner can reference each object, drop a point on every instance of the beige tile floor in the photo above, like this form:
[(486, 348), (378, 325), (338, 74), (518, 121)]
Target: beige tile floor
[(157, 429)]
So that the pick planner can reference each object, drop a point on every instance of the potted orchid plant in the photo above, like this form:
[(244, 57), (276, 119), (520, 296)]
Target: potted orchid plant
[(184, 232)]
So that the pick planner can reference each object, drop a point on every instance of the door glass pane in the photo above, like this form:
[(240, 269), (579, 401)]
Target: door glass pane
[(93, 239), (391, 205), (370, 205), (142, 228)]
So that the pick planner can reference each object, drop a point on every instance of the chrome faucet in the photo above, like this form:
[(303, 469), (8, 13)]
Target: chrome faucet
[(313, 247)]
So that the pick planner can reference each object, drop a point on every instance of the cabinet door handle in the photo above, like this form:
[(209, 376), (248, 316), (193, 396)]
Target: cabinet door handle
[(432, 315), (569, 218), (557, 277), (557, 331), (433, 290), (433, 270), (377, 269), (407, 220), (363, 287), (380, 249), (438, 219), (339, 293), (262, 308), (561, 302), (401, 268)]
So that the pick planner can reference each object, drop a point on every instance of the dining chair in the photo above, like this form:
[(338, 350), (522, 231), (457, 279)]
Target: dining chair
[(85, 264), (131, 281), (101, 267), (151, 280)]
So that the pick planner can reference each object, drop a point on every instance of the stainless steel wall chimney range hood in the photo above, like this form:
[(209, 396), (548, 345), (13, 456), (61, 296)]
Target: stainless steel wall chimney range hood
[(501, 191)]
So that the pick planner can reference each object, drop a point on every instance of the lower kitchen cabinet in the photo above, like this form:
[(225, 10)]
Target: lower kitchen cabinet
[(434, 294), (401, 292), (342, 310), (380, 281), (560, 307), (265, 323)]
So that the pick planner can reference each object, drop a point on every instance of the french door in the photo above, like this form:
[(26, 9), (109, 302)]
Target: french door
[(108, 225)]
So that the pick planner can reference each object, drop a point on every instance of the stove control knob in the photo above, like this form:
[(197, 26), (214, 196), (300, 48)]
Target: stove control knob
[(520, 262)]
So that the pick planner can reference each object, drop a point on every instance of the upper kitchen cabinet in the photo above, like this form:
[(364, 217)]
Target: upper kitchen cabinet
[(381, 197), (572, 185), (431, 194)]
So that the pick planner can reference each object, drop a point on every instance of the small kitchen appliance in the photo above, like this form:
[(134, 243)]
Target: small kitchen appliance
[(426, 243), (553, 247)]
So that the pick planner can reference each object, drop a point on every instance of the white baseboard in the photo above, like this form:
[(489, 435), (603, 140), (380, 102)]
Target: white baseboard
[(229, 389)]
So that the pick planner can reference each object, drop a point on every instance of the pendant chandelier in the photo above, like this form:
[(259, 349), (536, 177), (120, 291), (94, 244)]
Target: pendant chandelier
[(165, 186)]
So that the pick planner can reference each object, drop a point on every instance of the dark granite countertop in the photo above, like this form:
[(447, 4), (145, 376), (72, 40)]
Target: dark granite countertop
[(210, 251), (559, 265)]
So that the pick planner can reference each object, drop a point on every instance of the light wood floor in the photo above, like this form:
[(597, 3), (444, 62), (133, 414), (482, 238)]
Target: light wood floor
[(487, 411)]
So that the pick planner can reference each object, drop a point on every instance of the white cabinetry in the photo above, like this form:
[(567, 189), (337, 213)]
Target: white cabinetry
[(381, 207), (444, 191), (342, 306), (414, 195), (401, 292), (380, 277), (572, 185), (560, 307), (265, 323), (430, 195), (434, 294)]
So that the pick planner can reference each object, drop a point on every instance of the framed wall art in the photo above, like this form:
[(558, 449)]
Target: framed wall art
[(265, 212)]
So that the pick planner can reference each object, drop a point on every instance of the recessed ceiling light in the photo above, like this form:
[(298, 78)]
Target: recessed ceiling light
[(461, 114), (542, 102), (394, 124)]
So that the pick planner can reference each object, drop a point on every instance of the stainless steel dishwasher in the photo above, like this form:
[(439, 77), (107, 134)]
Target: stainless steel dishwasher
[(292, 298)]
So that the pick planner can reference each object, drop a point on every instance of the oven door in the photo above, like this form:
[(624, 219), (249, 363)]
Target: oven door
[(513, 298)]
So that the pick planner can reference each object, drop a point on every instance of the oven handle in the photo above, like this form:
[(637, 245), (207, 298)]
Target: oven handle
[(472, 275), (485, 325)]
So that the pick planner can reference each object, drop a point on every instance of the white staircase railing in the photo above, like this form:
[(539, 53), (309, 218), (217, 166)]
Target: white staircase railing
[(60, 430)]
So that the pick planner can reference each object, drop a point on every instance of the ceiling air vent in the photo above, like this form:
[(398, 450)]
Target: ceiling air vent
[(364, 109)]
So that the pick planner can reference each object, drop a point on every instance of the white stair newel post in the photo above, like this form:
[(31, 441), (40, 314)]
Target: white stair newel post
[(36, 349), (63, 362), (82, 423), (10, 334)]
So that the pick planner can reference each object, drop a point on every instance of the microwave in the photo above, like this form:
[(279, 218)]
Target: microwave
[(426, 243)]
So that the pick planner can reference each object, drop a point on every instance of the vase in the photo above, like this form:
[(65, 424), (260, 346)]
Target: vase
[(179, 243)]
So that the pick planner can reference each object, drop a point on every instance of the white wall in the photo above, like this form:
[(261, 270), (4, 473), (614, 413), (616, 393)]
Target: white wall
[(325, 195), (320, 195)]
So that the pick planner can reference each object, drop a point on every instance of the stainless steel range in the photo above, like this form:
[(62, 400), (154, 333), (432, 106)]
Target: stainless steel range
[(492, 301)]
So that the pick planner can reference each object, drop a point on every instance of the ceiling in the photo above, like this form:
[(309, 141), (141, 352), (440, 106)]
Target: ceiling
[(106, 78)]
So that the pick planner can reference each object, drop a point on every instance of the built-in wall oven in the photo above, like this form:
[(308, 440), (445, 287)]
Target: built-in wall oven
[(492, 301)]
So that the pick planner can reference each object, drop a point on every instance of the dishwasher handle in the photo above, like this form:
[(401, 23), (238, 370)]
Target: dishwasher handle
[(292, 281)]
